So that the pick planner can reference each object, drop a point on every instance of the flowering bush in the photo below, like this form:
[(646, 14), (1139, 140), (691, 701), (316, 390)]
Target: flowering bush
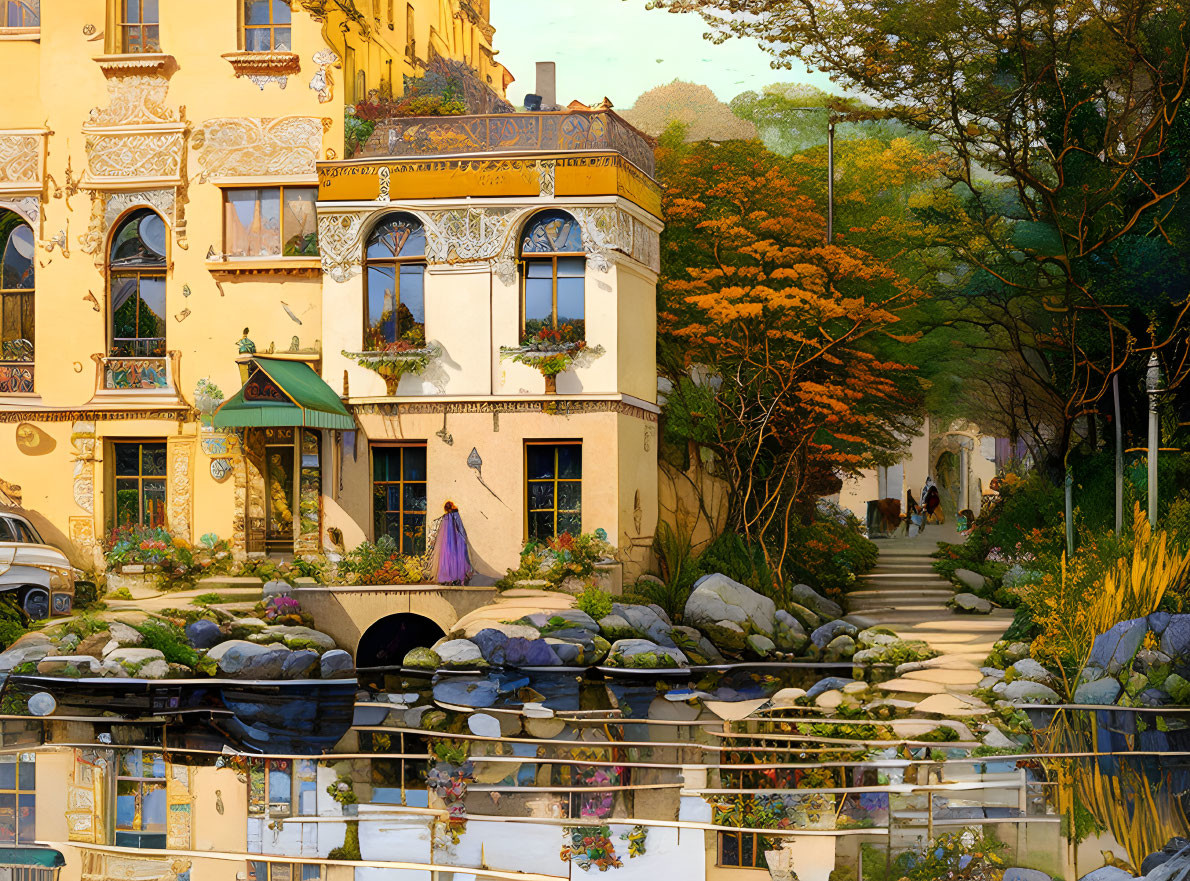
[(382, 563), (551, 350), (557, 559), (283, 610), (967, 856), (591, 846)]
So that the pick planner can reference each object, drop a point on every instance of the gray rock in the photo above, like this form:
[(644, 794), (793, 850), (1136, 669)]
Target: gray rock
[(568, 653), (577, 618), (203, 633), (300, 664), (1022, 691), (1153, 697), (840, 648), (295, 637), (616, 627), (336, 664), (134, 657), (1108, 873), (1014, 874), (645, 620), (804, 595), (459, 653), (997, 739), (788, 633), (1098, 691), (240, 659), (421, 658), (876, 637), (1114, 650), (14, 657), (829, 683), (695, 646), (717, 598), (69, 642), (831, 629), (491, 644), (992, 673), (650, 654), (276, 588), (1014, 651), (124, 635), (73, 666), (809, 620), (93, 645), (761, 645), (971, 604), (1027, 668), (528, 653), (158, 668), (1158, 621), (972, 580), (1175, 639)]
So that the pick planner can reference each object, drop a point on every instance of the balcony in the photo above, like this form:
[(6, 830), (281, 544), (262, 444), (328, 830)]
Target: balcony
[(16, 377), (121, 374), (546, 132)]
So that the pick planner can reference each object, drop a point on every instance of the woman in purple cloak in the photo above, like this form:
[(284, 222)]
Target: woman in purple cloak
[(451, 556)]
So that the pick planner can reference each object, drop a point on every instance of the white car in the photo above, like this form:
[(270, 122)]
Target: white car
[(40, 573)]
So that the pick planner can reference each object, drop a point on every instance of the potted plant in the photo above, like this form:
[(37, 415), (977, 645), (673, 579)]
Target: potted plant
[(551, 350), (410, 353)]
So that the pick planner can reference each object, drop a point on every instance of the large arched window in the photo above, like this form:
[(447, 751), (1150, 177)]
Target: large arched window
[(395, 299), (553, 267), (136, 282), (16, 288)]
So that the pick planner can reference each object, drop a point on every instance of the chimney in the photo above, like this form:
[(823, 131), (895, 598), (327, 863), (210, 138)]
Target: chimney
[(546, 85)]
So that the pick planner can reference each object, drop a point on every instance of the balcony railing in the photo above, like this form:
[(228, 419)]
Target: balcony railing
[(16, 378), (556, 131), (131, 373)]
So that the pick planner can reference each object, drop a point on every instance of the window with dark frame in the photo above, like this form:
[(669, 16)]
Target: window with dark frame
[(136, 286), (276, 221), (553, 274), (141, 802), (18, 799), (139, 26), (140, 483), (282, 787), (399, 495), (17, 280), (553, 488), (743, 850), (267, 26), (395, 298)]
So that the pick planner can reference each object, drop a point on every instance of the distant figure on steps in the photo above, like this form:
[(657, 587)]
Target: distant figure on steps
[(932, 499)]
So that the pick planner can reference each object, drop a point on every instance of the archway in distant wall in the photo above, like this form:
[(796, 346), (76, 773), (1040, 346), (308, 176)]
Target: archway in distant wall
[(386, 642)]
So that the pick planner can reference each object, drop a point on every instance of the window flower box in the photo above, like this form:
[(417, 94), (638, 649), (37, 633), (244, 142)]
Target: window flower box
[(551, 352), (395, 360)]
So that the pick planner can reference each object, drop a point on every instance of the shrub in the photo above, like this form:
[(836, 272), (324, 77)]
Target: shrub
[(560, 558), (382, 563), (169, 640), (594, 601), (121, 593)]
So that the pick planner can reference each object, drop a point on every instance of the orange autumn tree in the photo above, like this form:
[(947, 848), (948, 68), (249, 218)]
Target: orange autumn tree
[(771, 338)]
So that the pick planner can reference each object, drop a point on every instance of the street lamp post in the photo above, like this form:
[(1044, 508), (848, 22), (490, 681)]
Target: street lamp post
[(1153, 388)]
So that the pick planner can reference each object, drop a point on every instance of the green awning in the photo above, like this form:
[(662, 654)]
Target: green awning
[(281, 393), (46, 857)]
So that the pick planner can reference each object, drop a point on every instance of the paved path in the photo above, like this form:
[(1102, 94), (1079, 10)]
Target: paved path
[(903, 592)]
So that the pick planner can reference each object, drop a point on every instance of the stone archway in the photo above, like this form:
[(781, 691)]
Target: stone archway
[(386, 642)]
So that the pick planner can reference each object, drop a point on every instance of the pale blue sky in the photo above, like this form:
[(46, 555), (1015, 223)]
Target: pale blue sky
[(612, 47)]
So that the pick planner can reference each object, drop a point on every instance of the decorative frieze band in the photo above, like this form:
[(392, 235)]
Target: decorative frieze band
[(560, 407)]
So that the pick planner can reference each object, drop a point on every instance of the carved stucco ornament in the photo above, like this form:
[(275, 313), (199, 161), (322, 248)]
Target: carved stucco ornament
[(230, 146)]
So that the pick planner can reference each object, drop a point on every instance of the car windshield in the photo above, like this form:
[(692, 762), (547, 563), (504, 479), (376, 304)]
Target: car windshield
[(12, 529)]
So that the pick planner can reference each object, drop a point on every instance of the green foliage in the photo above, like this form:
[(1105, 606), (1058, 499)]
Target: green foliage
[(382, 563), (120, 593), (560, 558), (951, 856), (594, 601), (1079, 823), (168, 639)]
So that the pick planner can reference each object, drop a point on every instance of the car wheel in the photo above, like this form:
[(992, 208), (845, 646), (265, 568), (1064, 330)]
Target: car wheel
[(36, 603)]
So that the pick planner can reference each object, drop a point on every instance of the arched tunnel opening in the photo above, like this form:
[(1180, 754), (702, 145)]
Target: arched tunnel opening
[(386, 642)]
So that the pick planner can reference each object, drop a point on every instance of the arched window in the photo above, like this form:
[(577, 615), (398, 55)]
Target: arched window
[(266, 26), (136, 285), (16, 288), (552, 277), (395, 300), (21, 13)]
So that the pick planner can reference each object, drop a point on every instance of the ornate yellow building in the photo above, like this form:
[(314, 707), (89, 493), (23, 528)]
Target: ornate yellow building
[(158, 189)]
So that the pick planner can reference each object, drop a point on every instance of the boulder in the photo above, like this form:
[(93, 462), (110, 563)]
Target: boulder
[(70, 666), (727, 635), (276, 588), (646, 620), (840, 648), (242, 628), (1175, 639), (93, 645), (68, 643), (33, 637), (240, 659), (695, 646), (1178, 688), (970, 604), (491, 644), (336, 664), (588, 648), (422, 658), (1152, 697), (1158, 621), (575, 618), (300, 664), (641, 653), (827, 684), (158, 668), (1027, 668), (761, 645), (529, 653), (717, 598), (569, 653), (614, 627), (806, 596), (811, 621), (1114, 650), (459, 653), (1173, 848), (29, 652), (788, 697), (1099, 691), (970, 580), (124, 635), (295, 637), (997, 739), (1108, 873), (875, 637), (788, 633), (829, 700), (203, 633), (828, 631), (1023, 691), (1014, 874)]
